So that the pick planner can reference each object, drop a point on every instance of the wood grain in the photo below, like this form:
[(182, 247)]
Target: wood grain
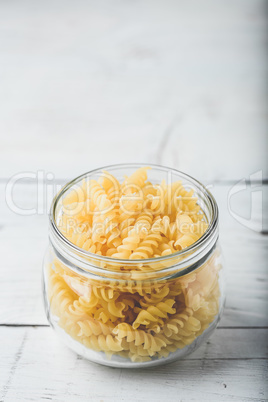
[(178, 83), (214, 372), (175, 83)]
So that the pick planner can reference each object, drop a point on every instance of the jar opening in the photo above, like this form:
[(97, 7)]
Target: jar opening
[(96, 263)]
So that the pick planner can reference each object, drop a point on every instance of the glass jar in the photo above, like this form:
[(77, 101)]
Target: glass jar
[(181, 295)]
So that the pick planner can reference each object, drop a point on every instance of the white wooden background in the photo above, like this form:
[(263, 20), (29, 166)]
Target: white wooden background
[(179, 83)]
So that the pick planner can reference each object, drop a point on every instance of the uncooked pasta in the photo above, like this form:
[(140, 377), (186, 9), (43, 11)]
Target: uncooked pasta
[(146, 315)]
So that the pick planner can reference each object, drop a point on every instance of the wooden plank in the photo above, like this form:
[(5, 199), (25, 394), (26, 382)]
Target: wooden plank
[(24, 240), (214, 372), (180, 84)]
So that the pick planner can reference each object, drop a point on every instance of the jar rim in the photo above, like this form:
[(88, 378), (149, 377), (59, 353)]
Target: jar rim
[(208, 234)]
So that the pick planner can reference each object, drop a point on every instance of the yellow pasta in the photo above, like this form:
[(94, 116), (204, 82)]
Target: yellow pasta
[(135, 317)]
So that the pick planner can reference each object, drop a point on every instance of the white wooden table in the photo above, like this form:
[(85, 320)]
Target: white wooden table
[(86, 84)]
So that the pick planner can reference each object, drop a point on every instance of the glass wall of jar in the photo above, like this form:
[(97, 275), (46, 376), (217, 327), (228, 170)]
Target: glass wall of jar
[(134, 313)]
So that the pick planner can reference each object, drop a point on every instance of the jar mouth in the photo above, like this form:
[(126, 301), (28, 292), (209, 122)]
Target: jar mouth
[(208, 198)]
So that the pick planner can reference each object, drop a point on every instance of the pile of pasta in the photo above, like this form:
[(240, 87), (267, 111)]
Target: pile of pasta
[(140, 319)]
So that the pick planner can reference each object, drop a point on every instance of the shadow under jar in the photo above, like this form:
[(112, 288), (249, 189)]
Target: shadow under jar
[(134, 313)]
